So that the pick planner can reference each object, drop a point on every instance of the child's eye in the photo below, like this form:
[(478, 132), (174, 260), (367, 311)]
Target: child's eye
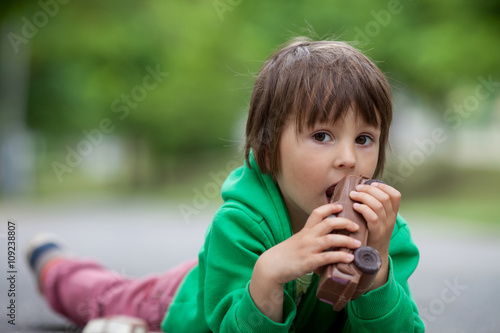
[(322, 137), (363, 140)]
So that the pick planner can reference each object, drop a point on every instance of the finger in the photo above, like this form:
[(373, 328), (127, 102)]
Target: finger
[(394, 194), (378, 204), (375, 198), (368, 213), (383, 190), (333, 257), (332, 223), (338, 241), (320, 213), (386, 188)]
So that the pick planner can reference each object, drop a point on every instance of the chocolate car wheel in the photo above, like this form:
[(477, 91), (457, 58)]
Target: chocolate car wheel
[(369, 181), (367, 259)]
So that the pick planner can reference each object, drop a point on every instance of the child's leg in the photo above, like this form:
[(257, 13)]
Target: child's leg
[(82, 290)]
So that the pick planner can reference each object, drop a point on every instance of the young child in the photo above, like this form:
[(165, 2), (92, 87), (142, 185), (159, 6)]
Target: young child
[(319, 111)]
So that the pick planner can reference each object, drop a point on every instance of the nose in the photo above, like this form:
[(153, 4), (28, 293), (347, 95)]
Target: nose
[(345, 156)]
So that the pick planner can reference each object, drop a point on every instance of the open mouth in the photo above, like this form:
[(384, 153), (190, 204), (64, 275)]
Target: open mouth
[(329, 192)]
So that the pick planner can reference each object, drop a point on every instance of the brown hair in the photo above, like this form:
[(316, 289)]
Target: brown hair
[(314, 81)]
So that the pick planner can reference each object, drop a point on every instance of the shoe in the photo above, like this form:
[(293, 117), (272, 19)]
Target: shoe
[(42, 248), (117, 323)]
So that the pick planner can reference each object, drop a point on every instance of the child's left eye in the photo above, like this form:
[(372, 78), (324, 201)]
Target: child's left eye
[(321, 137), (363, 140)]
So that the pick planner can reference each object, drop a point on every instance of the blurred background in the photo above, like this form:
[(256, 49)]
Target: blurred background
[(107, 103), (127, 97)]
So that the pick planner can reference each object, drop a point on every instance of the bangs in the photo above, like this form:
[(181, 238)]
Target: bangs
[(324, 90)]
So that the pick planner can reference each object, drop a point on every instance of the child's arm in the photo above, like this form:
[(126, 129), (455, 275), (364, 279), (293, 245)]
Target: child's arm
[(304, 252)]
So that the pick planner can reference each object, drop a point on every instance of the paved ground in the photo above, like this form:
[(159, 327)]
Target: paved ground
[(455, 285)]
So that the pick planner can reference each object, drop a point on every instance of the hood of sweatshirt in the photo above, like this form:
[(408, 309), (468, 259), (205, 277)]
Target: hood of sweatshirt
[(261, 197)]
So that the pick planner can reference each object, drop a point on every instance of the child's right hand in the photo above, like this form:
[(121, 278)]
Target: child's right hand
[(304, 252)]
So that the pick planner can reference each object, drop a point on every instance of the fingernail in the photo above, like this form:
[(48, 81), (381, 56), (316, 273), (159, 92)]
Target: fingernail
[(350, 256), (357, 242), (359, 187)]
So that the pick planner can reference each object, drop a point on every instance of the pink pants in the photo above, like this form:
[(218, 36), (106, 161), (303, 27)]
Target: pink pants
[(82, 290)]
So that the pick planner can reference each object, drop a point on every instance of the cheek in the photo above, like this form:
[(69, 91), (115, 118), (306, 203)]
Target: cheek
[(305, 179), (371, 162), (297, 173), (292, 173)]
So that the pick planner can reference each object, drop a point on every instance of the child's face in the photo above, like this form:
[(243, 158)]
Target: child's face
[(314, 161)]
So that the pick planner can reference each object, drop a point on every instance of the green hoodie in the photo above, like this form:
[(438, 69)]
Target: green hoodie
[(214, 296)]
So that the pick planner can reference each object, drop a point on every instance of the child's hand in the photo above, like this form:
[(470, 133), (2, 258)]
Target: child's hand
[(379, 205), (304, 252)]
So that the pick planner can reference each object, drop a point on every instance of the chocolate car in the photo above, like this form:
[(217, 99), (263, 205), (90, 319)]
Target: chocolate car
[(341, 282)]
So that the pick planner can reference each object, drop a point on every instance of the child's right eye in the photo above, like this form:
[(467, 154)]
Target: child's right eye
[(321, 137)]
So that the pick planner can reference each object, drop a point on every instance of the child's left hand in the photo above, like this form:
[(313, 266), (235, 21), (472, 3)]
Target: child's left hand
[(379, 205)]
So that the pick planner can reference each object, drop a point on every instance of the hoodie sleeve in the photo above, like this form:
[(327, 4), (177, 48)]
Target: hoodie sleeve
[(390, 308), (232, 247)]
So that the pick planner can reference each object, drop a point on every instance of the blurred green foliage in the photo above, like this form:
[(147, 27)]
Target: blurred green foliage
[(90, 54), (461, 195)]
